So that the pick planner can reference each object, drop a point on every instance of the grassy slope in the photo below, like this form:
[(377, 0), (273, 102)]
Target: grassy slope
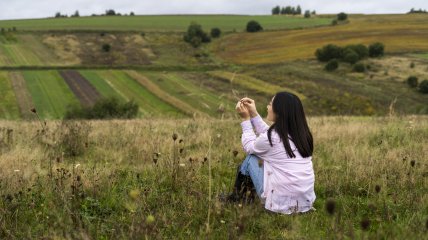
[(50, 93), (8, 106), (163, 22), (252, 83), (117, 185), (198, 97), (395, 31), (128, 88)]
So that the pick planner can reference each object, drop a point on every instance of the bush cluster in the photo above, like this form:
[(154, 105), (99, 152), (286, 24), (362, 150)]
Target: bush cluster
[(105, 108)]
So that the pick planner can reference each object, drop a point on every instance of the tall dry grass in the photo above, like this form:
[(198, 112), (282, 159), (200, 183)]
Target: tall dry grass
[(134, 179)]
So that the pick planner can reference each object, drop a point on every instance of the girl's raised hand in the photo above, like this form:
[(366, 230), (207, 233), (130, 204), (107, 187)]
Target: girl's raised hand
[(242, 111), (250, 104)]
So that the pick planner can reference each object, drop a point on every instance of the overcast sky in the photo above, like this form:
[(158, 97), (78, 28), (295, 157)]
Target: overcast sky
[(16, 9)]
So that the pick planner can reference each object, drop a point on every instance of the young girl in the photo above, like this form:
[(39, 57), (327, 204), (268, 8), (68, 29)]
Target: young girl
[(284, 176)]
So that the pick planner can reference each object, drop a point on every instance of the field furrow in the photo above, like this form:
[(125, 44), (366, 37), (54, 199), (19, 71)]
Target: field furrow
[(83, 90)]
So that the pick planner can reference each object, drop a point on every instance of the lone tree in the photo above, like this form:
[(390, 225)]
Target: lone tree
[(131, 14), (299, 10), (76, 14), (254, 26), (412, 81), (423, 86), (342, 16), (376, 49), (307, 14), (195, 35), (215, 32), (110, 12), (106, 47), (276, 10)]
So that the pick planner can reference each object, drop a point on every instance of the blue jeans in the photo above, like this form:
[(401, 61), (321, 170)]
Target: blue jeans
[(250, 166)]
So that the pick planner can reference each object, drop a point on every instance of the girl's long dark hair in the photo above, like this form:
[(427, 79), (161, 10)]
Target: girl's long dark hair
[(291, 120)]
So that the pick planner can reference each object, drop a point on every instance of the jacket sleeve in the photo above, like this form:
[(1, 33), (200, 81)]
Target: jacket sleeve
[(252, 144), (259, 125)]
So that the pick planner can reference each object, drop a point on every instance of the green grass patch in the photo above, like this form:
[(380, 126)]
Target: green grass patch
[(164, 22), (421, 55), (49, 92), (20, 54), (197, 96), (8, 105), (102, 86), (128, 88), (252, 83)]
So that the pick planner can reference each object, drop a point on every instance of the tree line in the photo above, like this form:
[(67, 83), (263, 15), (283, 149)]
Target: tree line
[(417, 11), (290, 10), (108, 12)]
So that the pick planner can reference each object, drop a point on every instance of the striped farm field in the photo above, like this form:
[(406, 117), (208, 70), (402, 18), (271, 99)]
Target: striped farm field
[(8, 105), (252, 83), (50, 93), (163, 23), (198, 97), (399, 33), (129, 89)]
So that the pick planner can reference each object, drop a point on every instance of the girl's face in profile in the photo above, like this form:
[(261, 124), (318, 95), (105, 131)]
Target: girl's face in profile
[(270, 114)]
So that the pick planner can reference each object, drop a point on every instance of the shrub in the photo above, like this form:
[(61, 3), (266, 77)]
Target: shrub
[(195, 35), (307, 14), (423, 86), (73, 138), (106, 108), (328, 52), (376, 49), (342, 16), (332, 65), (334, 22), (106, 47), (360, 49), (412, 81), (412, 65), (215, 32), (359, 67), (254, 26), (350, 56)]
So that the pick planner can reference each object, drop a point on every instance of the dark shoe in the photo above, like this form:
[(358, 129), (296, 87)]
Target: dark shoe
[(243, 190)]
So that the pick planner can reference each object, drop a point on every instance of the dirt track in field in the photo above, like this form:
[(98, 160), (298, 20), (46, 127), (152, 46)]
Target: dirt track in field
[(84, 91)]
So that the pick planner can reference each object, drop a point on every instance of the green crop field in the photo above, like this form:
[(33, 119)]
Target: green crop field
[(129, 89), (49, 92), (197, 96), (20, 55), (252, 83), (163, 23), (8, 105), (102, 86)]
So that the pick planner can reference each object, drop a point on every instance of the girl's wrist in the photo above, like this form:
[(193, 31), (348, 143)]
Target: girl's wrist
[(254, 114)]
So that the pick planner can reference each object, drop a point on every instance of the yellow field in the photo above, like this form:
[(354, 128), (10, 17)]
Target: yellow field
[(399, 33)]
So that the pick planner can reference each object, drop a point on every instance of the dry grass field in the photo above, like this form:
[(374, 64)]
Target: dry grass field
[(131, 180), (400, 34)]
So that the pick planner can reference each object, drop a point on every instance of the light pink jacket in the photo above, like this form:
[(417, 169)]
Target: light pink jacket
[(288, 183)]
